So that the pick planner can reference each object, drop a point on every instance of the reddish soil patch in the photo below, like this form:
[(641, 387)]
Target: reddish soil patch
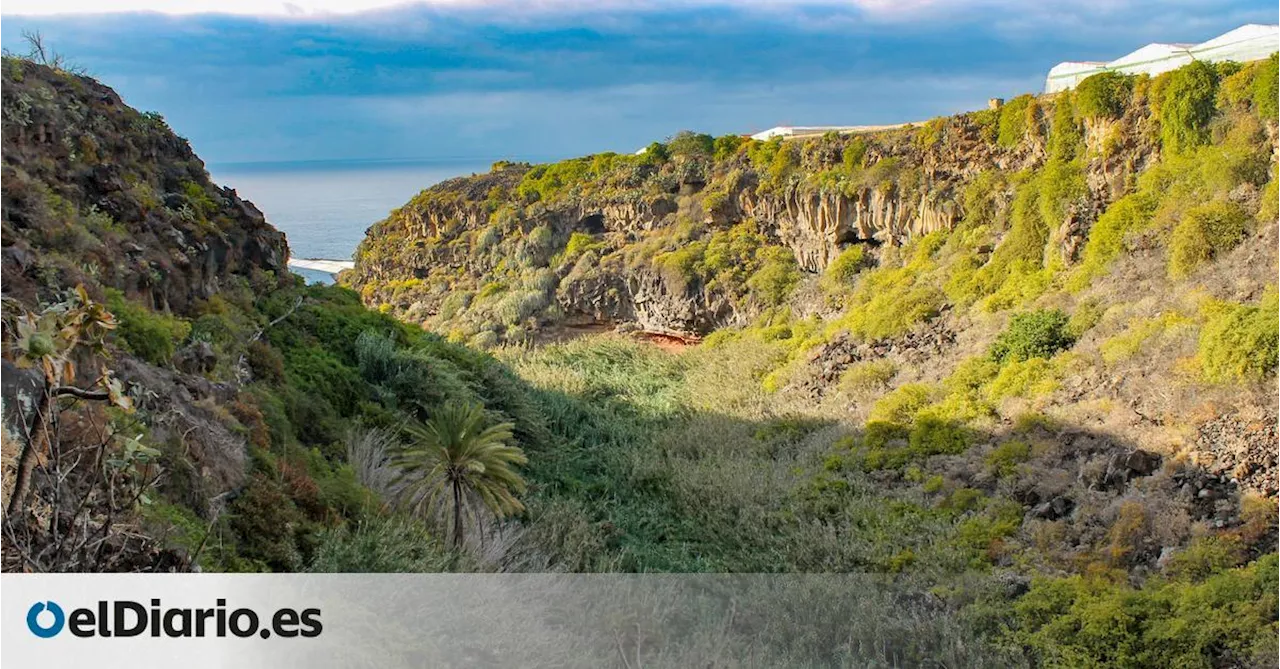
[(668, 342)]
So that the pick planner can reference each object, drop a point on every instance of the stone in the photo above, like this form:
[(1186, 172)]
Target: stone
[(196, 358)]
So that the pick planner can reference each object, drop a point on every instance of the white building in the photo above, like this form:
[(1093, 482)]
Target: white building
[(1246, 43), (790, 131)]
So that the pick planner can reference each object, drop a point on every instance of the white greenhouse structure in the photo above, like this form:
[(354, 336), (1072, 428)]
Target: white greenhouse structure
[(1246, 43)]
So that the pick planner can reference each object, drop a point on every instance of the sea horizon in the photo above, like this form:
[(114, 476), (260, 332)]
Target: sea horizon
[(324, 207)]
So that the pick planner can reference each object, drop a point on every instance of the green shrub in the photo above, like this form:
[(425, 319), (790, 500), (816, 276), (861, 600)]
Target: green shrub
[(1130, 213), (1006, 457), (1205, 232), (867, 376), (1103, 95), (691, 144), (265, 362), (1239, 342), (933, 435), (1269, 210), (1015, 118), (854, 155), (1266, 89), (726, 145), (1228, 619), (1034, 334), (777, 277), (380, 545), (1187, 105), (149, 335), (901, 405)]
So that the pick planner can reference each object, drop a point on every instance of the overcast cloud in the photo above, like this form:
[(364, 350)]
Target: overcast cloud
[(461, 80)]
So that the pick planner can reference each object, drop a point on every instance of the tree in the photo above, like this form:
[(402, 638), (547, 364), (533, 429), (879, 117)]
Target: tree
[(456, 465)]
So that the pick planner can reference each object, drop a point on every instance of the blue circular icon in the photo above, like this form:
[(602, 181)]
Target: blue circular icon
[(33, 619)]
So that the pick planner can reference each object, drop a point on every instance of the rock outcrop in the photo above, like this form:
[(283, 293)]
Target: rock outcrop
[(879, 190)]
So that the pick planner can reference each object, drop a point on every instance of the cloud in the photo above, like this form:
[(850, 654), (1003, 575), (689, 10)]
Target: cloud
[(557, 77), (517, 10)]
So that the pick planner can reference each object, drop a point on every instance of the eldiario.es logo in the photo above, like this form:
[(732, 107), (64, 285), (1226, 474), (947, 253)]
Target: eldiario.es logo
[(124, 618)]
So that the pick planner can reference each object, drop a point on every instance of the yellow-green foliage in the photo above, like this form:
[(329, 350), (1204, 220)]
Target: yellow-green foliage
[(776, 277), (1026, 378), (965, 397), (1006, 457), (150, 335), (1187, 106), (1016, 116), (1205, 232), (1017, 272), (1085, 316), (930, 134), (579, 243), (1265, 93), (1131, 213), (1067, 137), (734, 261), (1238, 342), (901, 405), (890, 300), (1140, 332), (1096, 621), (1103, 95), (1169, 190), (842, 271), (550, 181), (864, 377), (854, 154), (1269, 210)]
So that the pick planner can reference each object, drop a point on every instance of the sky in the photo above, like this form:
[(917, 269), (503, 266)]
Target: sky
[(470, 81)]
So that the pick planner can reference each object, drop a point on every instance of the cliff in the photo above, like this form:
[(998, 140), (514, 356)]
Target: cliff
[(97, 193), (636, 215)]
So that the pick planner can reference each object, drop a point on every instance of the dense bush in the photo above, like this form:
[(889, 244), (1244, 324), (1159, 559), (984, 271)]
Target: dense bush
[(846, 266), (1034, 334), (1103, 95), (1266, 88), (1205, 232), (1187, 105), (1091, 621), (1240, 342), (691, 144), (1269, 210), (1017, 116), (150, 335), (380, 545)]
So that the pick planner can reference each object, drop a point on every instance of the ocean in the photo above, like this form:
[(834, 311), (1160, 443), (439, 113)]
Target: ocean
[(325, 207)]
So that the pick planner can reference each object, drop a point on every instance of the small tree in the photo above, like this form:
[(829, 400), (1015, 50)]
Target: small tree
[(456, 465), (52, 340)]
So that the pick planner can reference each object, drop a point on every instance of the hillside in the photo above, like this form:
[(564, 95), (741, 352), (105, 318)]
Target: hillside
[(1016, 368), (1033, 341)]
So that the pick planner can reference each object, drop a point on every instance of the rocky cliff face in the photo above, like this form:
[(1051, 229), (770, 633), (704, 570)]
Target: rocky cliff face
[(100, 194), (814, 198)]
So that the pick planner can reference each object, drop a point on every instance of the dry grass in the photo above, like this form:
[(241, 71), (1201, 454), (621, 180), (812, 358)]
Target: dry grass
[(10, 450)]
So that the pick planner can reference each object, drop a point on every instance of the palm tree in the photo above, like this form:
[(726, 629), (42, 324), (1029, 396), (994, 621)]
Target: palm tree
[(455, 464)]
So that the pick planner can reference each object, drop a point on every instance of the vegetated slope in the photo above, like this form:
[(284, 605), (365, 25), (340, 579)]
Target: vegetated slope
[(209, 415), (985, 460), (1038, 342)]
